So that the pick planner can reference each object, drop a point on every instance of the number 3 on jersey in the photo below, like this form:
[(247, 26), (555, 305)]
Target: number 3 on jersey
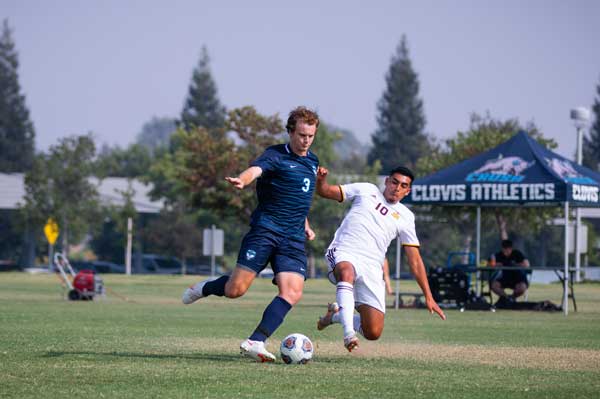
[(306, 185)]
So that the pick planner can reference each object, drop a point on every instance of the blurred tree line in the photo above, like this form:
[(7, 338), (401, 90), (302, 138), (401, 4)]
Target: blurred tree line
[(185, 159)]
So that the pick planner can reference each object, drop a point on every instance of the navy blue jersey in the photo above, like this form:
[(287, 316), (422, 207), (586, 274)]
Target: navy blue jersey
[(285, 190)]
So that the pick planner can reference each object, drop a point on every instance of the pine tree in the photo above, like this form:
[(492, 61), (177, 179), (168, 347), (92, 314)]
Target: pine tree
[(202, 107), (399, 138), (591, 145), (16, 129)]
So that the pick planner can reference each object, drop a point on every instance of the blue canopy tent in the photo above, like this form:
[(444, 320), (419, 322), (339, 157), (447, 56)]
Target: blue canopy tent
[(518, 172)]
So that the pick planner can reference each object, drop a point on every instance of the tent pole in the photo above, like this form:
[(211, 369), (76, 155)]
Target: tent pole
[(478, 249), (565, 303), (577, 238), (398, 257)]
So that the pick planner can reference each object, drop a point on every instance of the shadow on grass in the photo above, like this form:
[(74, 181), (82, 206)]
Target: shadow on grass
[(196, 356), (97, 356)]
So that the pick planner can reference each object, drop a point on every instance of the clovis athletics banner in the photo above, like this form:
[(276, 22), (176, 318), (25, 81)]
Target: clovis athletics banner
[(519, 171)]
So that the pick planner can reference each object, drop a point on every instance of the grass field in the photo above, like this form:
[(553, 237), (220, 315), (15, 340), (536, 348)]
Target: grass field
[(140, 342)]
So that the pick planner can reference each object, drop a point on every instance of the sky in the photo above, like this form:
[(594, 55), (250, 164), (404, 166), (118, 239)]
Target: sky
[(108, 67)]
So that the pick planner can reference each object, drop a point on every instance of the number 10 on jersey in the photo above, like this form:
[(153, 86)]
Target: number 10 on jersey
[(382, 209)]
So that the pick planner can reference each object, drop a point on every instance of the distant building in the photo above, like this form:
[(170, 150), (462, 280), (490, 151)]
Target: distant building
[(110, 190), (12, 192)]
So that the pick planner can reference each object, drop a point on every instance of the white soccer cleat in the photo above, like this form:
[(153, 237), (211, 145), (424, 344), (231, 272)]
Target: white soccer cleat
[(351, 342), (192, 294), (256, 350), (325, 321)]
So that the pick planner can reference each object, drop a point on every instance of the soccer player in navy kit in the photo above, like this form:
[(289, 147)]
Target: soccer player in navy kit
[(286, 176)]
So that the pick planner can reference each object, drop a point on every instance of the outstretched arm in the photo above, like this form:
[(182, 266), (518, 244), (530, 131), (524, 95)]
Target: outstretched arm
[(245, 178), (417, 267), (324, 189)]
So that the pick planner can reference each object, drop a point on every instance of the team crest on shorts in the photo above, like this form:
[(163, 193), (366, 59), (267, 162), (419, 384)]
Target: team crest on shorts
[(250, 254)]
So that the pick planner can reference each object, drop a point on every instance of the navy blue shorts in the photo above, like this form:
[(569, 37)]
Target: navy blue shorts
[(510, 278), (261, 246)]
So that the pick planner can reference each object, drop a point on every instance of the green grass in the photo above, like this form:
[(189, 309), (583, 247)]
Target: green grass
[(139, 341)]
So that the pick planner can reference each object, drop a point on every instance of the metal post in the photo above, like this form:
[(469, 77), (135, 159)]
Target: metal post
[(478, 250), (578, 211), (398, 263), (212, 251), (581, 117), (565, 304), (129, 245), (50, 256), (577, 238)]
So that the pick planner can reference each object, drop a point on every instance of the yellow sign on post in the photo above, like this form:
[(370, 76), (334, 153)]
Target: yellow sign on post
[(51, 231)]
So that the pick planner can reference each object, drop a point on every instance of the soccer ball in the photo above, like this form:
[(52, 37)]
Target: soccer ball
[(296, 349)]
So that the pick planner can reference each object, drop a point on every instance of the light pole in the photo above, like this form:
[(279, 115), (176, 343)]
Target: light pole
[(581, 118)]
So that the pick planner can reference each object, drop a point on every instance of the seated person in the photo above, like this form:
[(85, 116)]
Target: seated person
[(513, 279)]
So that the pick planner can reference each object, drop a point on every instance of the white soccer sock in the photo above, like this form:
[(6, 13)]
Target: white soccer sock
[(336, 318), (357, 326), (345, 298)]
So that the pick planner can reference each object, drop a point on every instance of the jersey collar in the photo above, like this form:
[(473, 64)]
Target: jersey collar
[(289, 150)]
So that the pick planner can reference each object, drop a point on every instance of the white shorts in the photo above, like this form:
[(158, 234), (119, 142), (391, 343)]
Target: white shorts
[(369, 285)]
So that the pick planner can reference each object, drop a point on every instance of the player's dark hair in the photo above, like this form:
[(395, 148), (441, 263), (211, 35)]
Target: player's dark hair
[(506, 244), (404, 171), (302, 114)]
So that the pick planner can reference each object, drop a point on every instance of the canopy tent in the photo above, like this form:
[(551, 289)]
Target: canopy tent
[(518, 172)]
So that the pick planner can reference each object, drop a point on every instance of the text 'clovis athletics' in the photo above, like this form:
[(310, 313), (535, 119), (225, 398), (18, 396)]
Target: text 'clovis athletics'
[(484, 192)]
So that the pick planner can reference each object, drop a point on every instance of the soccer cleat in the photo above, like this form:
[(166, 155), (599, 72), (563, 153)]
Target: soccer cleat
[(325, 321), (192, 294), (256, 350), (351, 343)]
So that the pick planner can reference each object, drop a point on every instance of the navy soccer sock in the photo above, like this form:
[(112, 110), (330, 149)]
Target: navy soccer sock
[(272, 318), (215, 287)]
